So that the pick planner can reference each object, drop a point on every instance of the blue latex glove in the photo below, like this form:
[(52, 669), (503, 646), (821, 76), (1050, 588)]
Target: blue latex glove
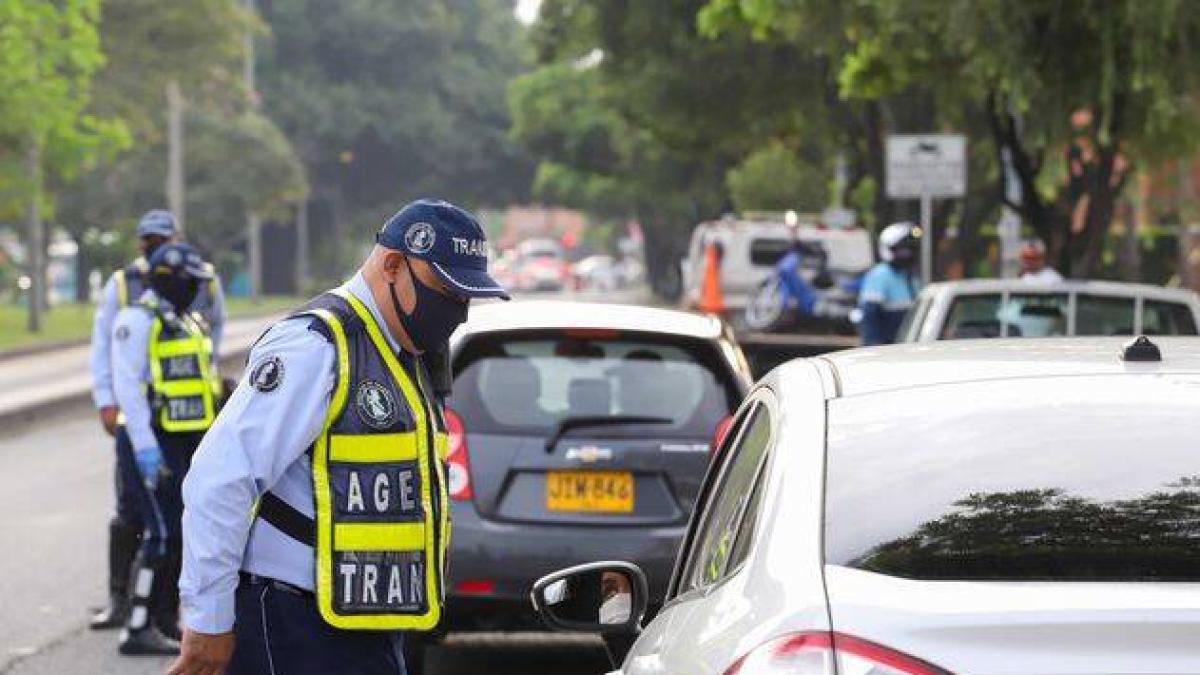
[(149, 462)]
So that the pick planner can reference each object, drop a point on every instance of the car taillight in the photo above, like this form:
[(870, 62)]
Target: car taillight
[(719, 434), (458, 461), (817, 652)]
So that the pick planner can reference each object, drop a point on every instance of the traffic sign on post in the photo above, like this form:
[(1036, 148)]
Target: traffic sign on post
[(926, 167)]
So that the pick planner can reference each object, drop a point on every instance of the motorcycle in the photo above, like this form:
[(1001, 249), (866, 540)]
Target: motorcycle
[(801, 291)]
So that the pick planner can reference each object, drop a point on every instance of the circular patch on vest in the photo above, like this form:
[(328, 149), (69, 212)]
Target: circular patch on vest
[(419, 238), (376, 405), (122, 332), (267, 375)]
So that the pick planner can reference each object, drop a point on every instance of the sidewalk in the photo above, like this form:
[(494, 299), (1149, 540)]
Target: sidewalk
[(43, 382)]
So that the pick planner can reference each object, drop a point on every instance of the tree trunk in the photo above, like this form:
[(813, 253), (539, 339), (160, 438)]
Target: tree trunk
[(175, 187), (875, 162), (35, 236), (83, 264), (302, 275)]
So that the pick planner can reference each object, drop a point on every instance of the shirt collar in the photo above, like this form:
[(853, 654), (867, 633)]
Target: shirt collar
[(358, 287)]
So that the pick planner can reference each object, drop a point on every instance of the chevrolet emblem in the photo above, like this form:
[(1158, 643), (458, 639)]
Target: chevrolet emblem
[(590, 454)]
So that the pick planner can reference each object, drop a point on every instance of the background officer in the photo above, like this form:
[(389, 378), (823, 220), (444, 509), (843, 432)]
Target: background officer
[(889, 288), (337, 396), (167, 391), (124, 287)]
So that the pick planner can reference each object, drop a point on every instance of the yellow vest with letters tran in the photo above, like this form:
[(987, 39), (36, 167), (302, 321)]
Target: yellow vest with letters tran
[(183, 390), (382, 525)]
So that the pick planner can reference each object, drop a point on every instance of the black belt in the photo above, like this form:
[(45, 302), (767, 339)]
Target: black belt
[(278, 585), (287, 519)]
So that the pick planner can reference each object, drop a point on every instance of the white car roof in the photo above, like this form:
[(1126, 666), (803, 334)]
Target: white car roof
[(553, 314), (1069, 286), (877, 369)]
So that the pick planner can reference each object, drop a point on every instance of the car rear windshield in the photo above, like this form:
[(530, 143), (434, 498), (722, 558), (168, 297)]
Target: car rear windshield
[(1082, 478), (527, 383)]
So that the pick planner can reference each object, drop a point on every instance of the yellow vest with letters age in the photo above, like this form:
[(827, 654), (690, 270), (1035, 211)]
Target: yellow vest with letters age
[(382, 527)]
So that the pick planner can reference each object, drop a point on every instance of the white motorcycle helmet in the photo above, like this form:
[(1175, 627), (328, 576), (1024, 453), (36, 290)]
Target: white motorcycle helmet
[(899, 237)]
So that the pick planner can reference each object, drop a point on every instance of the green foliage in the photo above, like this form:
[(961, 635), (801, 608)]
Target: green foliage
[(774, 179), (237, 165), (49, 53), (389, 100), (147, 43)]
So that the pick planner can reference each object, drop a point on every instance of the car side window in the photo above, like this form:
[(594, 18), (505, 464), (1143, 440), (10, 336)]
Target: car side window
[(716, 550)]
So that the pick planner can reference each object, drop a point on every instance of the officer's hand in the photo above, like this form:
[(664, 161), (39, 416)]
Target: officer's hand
[(108, 418), (203, 654), (149, 463)]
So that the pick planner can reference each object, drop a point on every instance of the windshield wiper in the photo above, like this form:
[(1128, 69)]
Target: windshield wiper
[(569, 423)]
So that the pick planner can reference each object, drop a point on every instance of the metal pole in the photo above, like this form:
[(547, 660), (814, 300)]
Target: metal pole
[(36, 255), (926, 238), (175, 179), (302, 246)]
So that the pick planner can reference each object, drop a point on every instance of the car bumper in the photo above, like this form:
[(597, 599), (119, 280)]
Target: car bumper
[(493, 565)]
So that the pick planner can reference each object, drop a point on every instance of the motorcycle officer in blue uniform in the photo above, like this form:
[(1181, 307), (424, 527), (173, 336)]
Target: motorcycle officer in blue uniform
[(890, 287), (123, 288), (168, 391), (316, 521)]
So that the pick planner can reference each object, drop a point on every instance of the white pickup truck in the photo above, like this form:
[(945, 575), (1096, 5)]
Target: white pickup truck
[(992, 308)]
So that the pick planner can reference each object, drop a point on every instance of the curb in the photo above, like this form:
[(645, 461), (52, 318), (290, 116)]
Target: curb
[(16, 420), (40, 348)]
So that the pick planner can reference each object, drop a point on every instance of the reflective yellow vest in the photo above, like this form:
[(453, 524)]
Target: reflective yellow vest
[(382, 508), (183, 390)]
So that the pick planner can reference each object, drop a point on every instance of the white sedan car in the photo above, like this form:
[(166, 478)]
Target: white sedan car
[(1008, 506)]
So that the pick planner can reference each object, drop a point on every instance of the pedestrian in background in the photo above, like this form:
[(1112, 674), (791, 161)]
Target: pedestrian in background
[(1032, 256), (317, 518), (124, 287), (168, 392)]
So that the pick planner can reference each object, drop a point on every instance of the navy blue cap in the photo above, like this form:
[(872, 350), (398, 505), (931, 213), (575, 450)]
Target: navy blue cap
[(157, 222), (178, 260), (449, 239)]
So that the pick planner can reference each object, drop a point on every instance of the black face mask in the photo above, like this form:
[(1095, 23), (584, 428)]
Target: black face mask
[(433, 319), (904, 257), (180, 292)]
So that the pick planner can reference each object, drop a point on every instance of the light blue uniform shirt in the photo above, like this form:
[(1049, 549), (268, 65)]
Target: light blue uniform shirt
[(259, 442), (210, 305), (131, 369), (889, 287)]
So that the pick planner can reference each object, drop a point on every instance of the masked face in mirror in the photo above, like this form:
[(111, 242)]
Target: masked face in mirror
[(593, 597)]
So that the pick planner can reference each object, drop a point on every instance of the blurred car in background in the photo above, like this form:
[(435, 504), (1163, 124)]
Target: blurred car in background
[(577, 431), (992, 308), (540, 266), (751, 248), (1011, 506), (596, 273)]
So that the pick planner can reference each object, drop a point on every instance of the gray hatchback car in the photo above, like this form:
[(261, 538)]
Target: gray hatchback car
[(577, 431)]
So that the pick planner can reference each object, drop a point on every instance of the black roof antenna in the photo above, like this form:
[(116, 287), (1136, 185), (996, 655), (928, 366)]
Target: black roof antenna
[(1141, 349)]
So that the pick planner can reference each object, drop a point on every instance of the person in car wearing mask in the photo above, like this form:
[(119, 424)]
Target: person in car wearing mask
[(890, 287), (123, 288), (316, 524), (166, 388)]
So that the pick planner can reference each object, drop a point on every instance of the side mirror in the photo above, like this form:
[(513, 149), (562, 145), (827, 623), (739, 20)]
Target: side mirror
[(600, 597)]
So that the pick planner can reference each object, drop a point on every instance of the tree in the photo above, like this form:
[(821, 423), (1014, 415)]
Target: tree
[(49, 53), (642, 108), (774, 179), (1124, 66), (389, 100)]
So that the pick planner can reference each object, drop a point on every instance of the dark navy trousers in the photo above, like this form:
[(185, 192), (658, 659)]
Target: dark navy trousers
[(129, 510), (161, 509), (279, 631)]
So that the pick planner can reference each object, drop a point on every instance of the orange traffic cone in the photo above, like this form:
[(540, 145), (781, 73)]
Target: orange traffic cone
[(711, 301)]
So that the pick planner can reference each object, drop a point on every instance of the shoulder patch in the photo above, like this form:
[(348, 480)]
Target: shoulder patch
[(267, 375), (122, 333)]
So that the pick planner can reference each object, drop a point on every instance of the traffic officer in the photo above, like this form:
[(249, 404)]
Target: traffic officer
[(889, 288), (316, 522), (124, 287), (167, 390)]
